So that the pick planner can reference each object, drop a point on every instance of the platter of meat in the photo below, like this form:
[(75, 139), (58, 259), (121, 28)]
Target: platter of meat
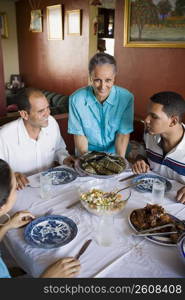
[(152, 216), (100, 164)]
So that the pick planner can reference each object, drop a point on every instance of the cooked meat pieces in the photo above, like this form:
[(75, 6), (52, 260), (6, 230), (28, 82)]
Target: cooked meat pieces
[(154, 215), (147, 217)]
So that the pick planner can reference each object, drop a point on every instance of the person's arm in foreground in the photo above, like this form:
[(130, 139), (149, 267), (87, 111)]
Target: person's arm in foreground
[(81, 144), (125, 128), (67, 267), (180, 197), (141, 165), (22, 180), (19, 219), (75, 126), (121, 143)]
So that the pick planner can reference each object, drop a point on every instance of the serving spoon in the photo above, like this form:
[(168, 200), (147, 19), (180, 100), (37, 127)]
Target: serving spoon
[(108, 194)]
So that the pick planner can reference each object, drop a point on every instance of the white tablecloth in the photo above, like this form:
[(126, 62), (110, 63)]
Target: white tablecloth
[(128, 256)]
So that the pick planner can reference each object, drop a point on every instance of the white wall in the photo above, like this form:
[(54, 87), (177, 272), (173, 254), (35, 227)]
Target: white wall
[(9, 45)]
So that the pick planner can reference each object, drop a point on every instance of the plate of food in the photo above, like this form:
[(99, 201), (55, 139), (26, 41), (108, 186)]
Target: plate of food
[(100, 164), (147, 182), (61, 175), (50, 231), (153, 215), (104, 201)]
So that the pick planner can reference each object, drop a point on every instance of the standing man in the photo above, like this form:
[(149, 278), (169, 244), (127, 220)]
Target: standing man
[(101, 115), (165, 139), (33, 142)]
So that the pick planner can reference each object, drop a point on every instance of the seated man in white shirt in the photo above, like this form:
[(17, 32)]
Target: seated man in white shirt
[(165, 139), (33, 142)]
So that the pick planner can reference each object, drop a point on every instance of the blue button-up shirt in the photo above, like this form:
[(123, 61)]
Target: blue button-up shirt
[(101, 122), (3, 270)]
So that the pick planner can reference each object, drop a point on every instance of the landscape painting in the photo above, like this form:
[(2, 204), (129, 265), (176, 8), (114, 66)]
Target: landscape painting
[(154, 23)]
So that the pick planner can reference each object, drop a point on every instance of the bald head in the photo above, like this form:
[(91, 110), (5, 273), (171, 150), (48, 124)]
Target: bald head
[(23, 98)]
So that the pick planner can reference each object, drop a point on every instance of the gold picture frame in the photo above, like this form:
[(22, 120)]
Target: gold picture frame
[(146, 25), (36, 20), (4, 25), (54, 22), (74, 22)]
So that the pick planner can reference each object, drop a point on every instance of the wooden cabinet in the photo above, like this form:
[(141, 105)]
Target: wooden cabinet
[(105, 23)]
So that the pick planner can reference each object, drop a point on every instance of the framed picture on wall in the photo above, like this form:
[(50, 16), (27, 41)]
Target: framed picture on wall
[(74, 22), (36, 21), (3, 25), (54, 22), (154, 23)]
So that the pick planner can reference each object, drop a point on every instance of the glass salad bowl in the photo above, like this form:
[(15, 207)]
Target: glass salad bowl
[(100, 198)]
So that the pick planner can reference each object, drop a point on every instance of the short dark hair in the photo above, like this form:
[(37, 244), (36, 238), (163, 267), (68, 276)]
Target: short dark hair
[(173, 103), (5, 181), (23, 97), (101, 59)]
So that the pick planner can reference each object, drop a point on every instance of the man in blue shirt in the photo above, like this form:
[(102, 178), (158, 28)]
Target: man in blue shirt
[(101, 115)]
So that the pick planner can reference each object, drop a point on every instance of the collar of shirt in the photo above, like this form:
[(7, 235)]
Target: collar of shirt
[(92, 100), (180, 146), (23, 133)]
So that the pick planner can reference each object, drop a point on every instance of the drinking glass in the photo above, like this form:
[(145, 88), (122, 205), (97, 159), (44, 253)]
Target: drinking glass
[(45, 185), (105, 234), (158, 190)]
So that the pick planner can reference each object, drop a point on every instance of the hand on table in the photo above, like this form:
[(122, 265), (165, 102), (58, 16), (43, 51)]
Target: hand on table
[(20, 218), (67, 267), (181, 195), (22, 180), (69, 161), (140, 166)]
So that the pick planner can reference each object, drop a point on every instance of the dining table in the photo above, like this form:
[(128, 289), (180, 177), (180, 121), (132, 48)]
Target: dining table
[(128, 256)]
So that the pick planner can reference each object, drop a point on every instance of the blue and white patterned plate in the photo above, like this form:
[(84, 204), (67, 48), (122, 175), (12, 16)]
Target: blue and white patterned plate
[(181, 247), (50, 231), (61, 175), (147, 182)]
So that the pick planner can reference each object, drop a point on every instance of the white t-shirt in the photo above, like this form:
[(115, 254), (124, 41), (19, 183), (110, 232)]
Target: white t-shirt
[(29, 156)]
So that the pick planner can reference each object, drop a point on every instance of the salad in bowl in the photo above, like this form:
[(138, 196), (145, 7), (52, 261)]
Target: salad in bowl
[(103, 199)]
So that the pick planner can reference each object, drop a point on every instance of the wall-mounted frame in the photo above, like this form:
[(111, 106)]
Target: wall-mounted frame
[(154, 24), (36, 20), (4, 25), (74, 22), (54, 22)]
